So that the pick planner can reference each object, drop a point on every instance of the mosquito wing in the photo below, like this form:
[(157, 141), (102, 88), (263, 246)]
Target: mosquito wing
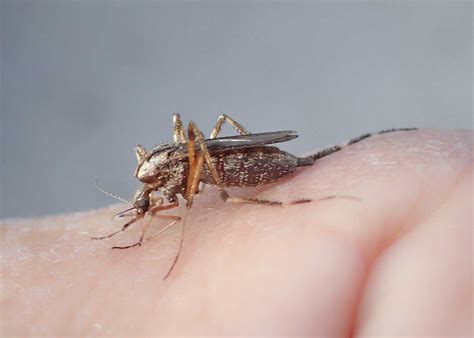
[(231, 142), (258, 139)]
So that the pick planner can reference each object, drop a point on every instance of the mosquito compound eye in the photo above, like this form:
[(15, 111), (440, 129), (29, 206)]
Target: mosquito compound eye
[(143, 204)]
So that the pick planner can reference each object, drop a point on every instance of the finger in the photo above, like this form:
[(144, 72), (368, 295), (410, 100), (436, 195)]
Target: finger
[(422, 283), (244, 269)]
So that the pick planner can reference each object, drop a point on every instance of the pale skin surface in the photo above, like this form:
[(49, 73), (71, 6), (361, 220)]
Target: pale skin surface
[(399, 262)]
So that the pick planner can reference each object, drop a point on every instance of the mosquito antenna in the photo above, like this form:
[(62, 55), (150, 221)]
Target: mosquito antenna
[(183, 227), (109, 193)]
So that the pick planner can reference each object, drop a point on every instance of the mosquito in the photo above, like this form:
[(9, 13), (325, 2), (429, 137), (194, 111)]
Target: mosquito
[(179, 167)]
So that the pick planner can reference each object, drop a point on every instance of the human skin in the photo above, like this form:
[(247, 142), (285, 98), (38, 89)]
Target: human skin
[(398, 261)]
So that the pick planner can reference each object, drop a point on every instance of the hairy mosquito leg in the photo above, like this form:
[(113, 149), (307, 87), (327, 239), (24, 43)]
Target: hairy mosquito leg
[(194, 175), (145, 225), (217, 129), (395, 129), (124, 227), (140, 153), (194, 132), (178, 131), (193, 180), (155, 209), (181, 241), (328, 151), (250, 200), (226, 118), (331, 197), (195, 167), (128, 246), (169, 225), (196, 163), (145, 228)]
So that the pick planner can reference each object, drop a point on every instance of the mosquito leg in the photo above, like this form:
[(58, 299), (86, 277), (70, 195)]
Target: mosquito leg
[(194, 175), (328, 151), (195, 133), (250, 200), (145, 225), (173, 217), (128, 246), (155, 209), (331, 197), (225, 118), (145, 228), (178, 131), (183, 228), (396, 129), (217, 129), (173, 222), (193, 180), (124, 227), (140, 153), (195, 167)]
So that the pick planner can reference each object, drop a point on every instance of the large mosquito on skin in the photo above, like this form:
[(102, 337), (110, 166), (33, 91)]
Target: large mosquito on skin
[(178, 167)]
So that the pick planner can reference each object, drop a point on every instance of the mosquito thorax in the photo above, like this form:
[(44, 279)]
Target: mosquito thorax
[(153, 167)]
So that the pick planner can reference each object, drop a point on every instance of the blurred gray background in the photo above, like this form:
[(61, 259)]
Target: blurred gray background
[(84, 82)]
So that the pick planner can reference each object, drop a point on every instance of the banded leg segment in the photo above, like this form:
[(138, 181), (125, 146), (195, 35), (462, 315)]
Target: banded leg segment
[(124, 227), (328, 151), (196, 163), (179, 135), (226, 118), (145, 224), (181, 241)]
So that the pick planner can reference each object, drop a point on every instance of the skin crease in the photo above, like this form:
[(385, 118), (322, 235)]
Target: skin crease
[(397, 262)]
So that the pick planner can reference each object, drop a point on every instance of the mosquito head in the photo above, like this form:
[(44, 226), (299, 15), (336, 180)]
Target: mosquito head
[(142, 205), (143, 201)]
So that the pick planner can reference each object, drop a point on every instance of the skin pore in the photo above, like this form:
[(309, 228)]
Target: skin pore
[(397, 262)]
